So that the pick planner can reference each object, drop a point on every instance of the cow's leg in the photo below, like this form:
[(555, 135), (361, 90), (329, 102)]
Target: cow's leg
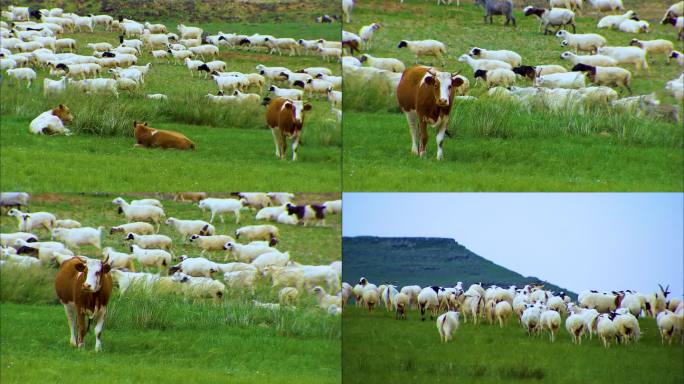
[(441, 132), (71, 319), (412, 119), (283, 145), (100, 318), (80, 319), (423, 137), (295, 144)]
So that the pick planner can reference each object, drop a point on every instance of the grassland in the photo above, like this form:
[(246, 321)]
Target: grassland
[(167, 337), (234, 146), (498, 146), (379, 349)]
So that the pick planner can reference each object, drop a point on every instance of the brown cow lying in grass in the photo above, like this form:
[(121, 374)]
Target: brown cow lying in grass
[(52, 122), (149, 137)]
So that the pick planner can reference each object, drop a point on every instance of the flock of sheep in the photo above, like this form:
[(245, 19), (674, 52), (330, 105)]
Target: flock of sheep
[(612, 316), (254, 260), (28, 46), (595, 73)]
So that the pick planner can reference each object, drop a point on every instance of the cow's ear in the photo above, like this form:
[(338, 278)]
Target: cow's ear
[(135, 123), (430, 80), (80, 267), (307, 107), (287, 105), (106, 267), (456, 81), (61, 106), (145, 123)]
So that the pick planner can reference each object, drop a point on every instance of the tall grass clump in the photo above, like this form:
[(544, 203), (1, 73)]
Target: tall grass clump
[(27, 285)]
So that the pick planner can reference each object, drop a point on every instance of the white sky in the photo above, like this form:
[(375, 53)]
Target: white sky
[(602, 241)]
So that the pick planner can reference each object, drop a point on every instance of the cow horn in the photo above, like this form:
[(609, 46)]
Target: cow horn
[(455, 74), (106, 260), (432, 71)]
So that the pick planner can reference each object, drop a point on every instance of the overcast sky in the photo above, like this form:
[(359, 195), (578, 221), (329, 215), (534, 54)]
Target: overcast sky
[(580, 241)]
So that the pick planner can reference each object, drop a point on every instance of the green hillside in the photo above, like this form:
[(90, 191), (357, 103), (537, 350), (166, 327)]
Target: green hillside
[(424, 261)]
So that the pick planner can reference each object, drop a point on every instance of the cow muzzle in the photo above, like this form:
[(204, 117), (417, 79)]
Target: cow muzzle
[(442, 102)]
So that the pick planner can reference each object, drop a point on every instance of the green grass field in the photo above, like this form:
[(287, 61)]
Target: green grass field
[(150, 337), (379, 349), (232, 142), (497, 146)]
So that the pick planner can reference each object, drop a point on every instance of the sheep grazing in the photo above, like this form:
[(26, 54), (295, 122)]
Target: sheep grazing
[(55, 87), (77, 237), (497, 7), (195, 266), (575, 326), (532, 72), (554, 17), (14, 199), (200, 286), (428, 301), (589, 42), (678, 56), (401, 304), (221, 206), (27, 74), (245, 252), (325, 300), (371, 297), (388, 64), (210, 242), (140, 212), (195, 197), (606, 5), (509, 57), (551, 320), (151, 257), (614, 21), (608, 76), (655, 46), (148, 137), (422, 48), (150, 241), (595, 60), (626, 55), (138, 227), (496, 77), (257, 232), (502, 312), (569, 80), (119, 260), (8, 239), (29, 221), (483, 64), (606, 329), (447, 324), (52, 122)]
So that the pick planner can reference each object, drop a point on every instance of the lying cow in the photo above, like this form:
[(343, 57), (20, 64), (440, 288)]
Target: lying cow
[(83, 287), (425, 96), (52, 122), (285, 117), (146, 136)]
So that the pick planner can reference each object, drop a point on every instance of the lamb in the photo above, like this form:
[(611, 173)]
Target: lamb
[(509, 57), (484, 64), (140, 212), (288, 296), (221, 206), (210, 242), (590, 42), (555, 17), (388, 64), (28, 221), (195, 266), (609, 76), (606, 328), (626, 55), (424, 48), (497, 7), (292, 94), (245, 252), (151, 257), (150, 241), (119, 259), (77, 237), (325, 300), (257, 232), (200, 286), (679, 56), (570, 80), (634, 26), (595, 60), (496, 77), (613, 21), (138, 227), (654, 46), (54, 86), (27, 74), (191, 227), (366, 34), (52, 122), (447, 324)]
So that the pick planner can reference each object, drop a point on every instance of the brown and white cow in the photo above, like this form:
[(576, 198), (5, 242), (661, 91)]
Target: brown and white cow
[(425, 96), (285, 117), (146, 136), (83, 287)]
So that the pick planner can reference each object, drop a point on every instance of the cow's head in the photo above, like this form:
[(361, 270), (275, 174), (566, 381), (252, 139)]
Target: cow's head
[(297, 107), (63, 113), (94, 271), (443, 84)]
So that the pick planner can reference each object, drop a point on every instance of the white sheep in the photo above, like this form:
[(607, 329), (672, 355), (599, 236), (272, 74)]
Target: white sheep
[(575, 326), (627, 327), (221, 206), (245, 252), (292, 94), (613, 21), (257, 232), (484, 64), (509, 57), (502, 312), (77, 237), (590, 42), (428, 301), (608, 76), (240, 279), (333, 206), (7, 239), (280, 198), (150, 241), (151, 257), (22, 261), (634, 26), (190, 227), (388, 64), (325, 300), (654, 46), (140, 212), (271, 258), (55, 87), (401, 303), (606, 5), (195, 266), (366, 34), (626, 55), (200, 286), (554, 17), (28, 221), (211, 242), (551, 320), (447, 324), (606, 329), (270, 213), (496, 77), (569, 80), (424, 48), (531, 319), (179, 55), (119, 259), (595, 60), (27, 74), (137, 227), (371, 297)]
